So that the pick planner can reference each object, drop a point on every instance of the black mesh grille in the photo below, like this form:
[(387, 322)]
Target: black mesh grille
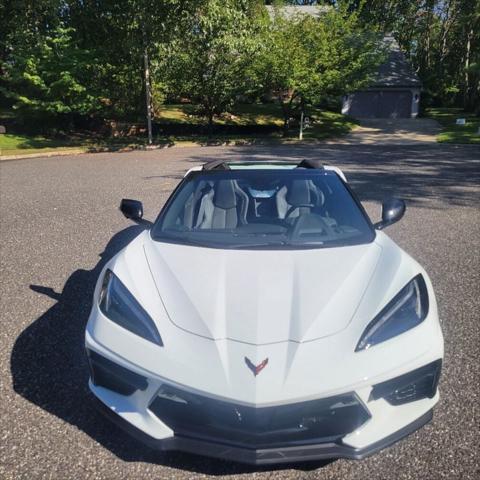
[(315, 421)]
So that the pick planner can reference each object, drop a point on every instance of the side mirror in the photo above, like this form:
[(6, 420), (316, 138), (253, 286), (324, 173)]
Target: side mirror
[(393, 210), (132, 209)]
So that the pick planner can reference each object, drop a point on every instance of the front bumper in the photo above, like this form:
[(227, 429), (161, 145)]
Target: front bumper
[(170, 417), (266, 456)]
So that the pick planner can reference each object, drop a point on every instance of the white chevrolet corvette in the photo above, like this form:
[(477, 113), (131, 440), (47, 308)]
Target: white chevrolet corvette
[(263, 318)]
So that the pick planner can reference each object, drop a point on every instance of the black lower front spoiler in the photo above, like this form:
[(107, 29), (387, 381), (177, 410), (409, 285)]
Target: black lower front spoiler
[(304, 453)]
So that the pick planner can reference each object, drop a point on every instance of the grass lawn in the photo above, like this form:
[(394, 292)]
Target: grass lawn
[(24, 144), (18, 144), (248, 114), (323, 125), (452, 133)]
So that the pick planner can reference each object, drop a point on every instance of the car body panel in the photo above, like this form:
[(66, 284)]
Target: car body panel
[(261, 297)]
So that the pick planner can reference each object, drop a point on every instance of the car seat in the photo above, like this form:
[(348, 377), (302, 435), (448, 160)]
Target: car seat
[(223, 206)]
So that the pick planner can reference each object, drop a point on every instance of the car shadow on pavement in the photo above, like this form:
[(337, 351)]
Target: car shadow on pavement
[(49, 369)]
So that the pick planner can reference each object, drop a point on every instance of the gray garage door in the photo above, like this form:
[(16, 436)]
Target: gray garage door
[(381, 104)]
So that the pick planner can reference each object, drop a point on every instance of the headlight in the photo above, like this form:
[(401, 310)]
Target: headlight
[(407, 309), (120, 306)]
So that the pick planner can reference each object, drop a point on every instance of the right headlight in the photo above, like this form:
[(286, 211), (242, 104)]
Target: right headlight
[(120, 306), (406, 310)]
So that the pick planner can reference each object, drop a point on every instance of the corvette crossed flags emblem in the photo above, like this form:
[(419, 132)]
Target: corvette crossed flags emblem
[(256, 369)]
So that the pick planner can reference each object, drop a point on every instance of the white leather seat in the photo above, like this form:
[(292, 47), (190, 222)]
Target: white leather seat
[(289, 200), (223, 206)]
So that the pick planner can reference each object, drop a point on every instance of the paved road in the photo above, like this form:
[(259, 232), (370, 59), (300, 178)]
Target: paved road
[(387, 132), (60, 223)]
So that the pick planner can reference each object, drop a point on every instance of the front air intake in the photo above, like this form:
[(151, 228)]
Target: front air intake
[(107, 374), (316, 421), (410, 387)]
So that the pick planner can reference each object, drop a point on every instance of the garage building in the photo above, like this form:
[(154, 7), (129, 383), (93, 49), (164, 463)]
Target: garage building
[(395, 92)]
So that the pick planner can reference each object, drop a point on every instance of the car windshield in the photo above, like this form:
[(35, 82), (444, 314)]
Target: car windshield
[(263, 208)]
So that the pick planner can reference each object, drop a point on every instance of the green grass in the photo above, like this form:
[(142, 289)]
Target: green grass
[(24, 144), (254, 114), (452, 133), (18, 144), (328, 124), (324, 124)]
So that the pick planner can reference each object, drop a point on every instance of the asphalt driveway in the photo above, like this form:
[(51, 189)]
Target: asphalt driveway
[(392, 131), (60, 223)]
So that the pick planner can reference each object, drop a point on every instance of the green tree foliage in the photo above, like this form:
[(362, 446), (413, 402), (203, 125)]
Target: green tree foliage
[(306, 59), (51, 80), (121, 33), (106, 41), (209, 62), (67, 59), (22, 24)]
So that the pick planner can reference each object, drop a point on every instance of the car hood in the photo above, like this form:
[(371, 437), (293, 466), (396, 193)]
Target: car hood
[(261, 297)]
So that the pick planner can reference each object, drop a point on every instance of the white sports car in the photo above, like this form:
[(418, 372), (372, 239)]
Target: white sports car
[(262, 318)]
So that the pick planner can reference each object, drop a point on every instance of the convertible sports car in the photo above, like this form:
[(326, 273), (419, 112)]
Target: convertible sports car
[(263, 318)]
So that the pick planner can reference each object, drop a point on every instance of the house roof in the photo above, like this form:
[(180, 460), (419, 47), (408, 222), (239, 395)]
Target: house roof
[(396, 71)]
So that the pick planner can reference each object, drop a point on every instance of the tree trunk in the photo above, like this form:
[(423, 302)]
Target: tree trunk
[(210, 123), (287, 113), (286, 116), (467, 94), (286, 122)]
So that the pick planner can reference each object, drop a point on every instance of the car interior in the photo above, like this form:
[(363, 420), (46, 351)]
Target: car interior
[(227, 204), (263, 209)]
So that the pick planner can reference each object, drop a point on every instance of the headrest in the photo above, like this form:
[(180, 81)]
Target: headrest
[(225, 195), (298, 193), (310, 163)]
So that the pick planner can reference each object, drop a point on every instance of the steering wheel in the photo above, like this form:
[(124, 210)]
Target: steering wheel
[(294, 207), (302, 218)]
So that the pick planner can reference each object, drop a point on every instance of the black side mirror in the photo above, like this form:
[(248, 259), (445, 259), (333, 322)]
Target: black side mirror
[(132, 209), (393, 210)]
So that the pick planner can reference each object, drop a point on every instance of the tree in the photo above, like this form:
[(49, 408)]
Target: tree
[(209, 63), (51, 80), (305, 59), (117, 35), (122, 34)]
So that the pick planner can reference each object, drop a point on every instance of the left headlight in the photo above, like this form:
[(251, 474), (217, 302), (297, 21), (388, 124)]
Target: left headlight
[(121, 307), (406, 310)]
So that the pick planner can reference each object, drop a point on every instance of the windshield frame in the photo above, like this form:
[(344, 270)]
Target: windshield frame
[(281, 170)]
